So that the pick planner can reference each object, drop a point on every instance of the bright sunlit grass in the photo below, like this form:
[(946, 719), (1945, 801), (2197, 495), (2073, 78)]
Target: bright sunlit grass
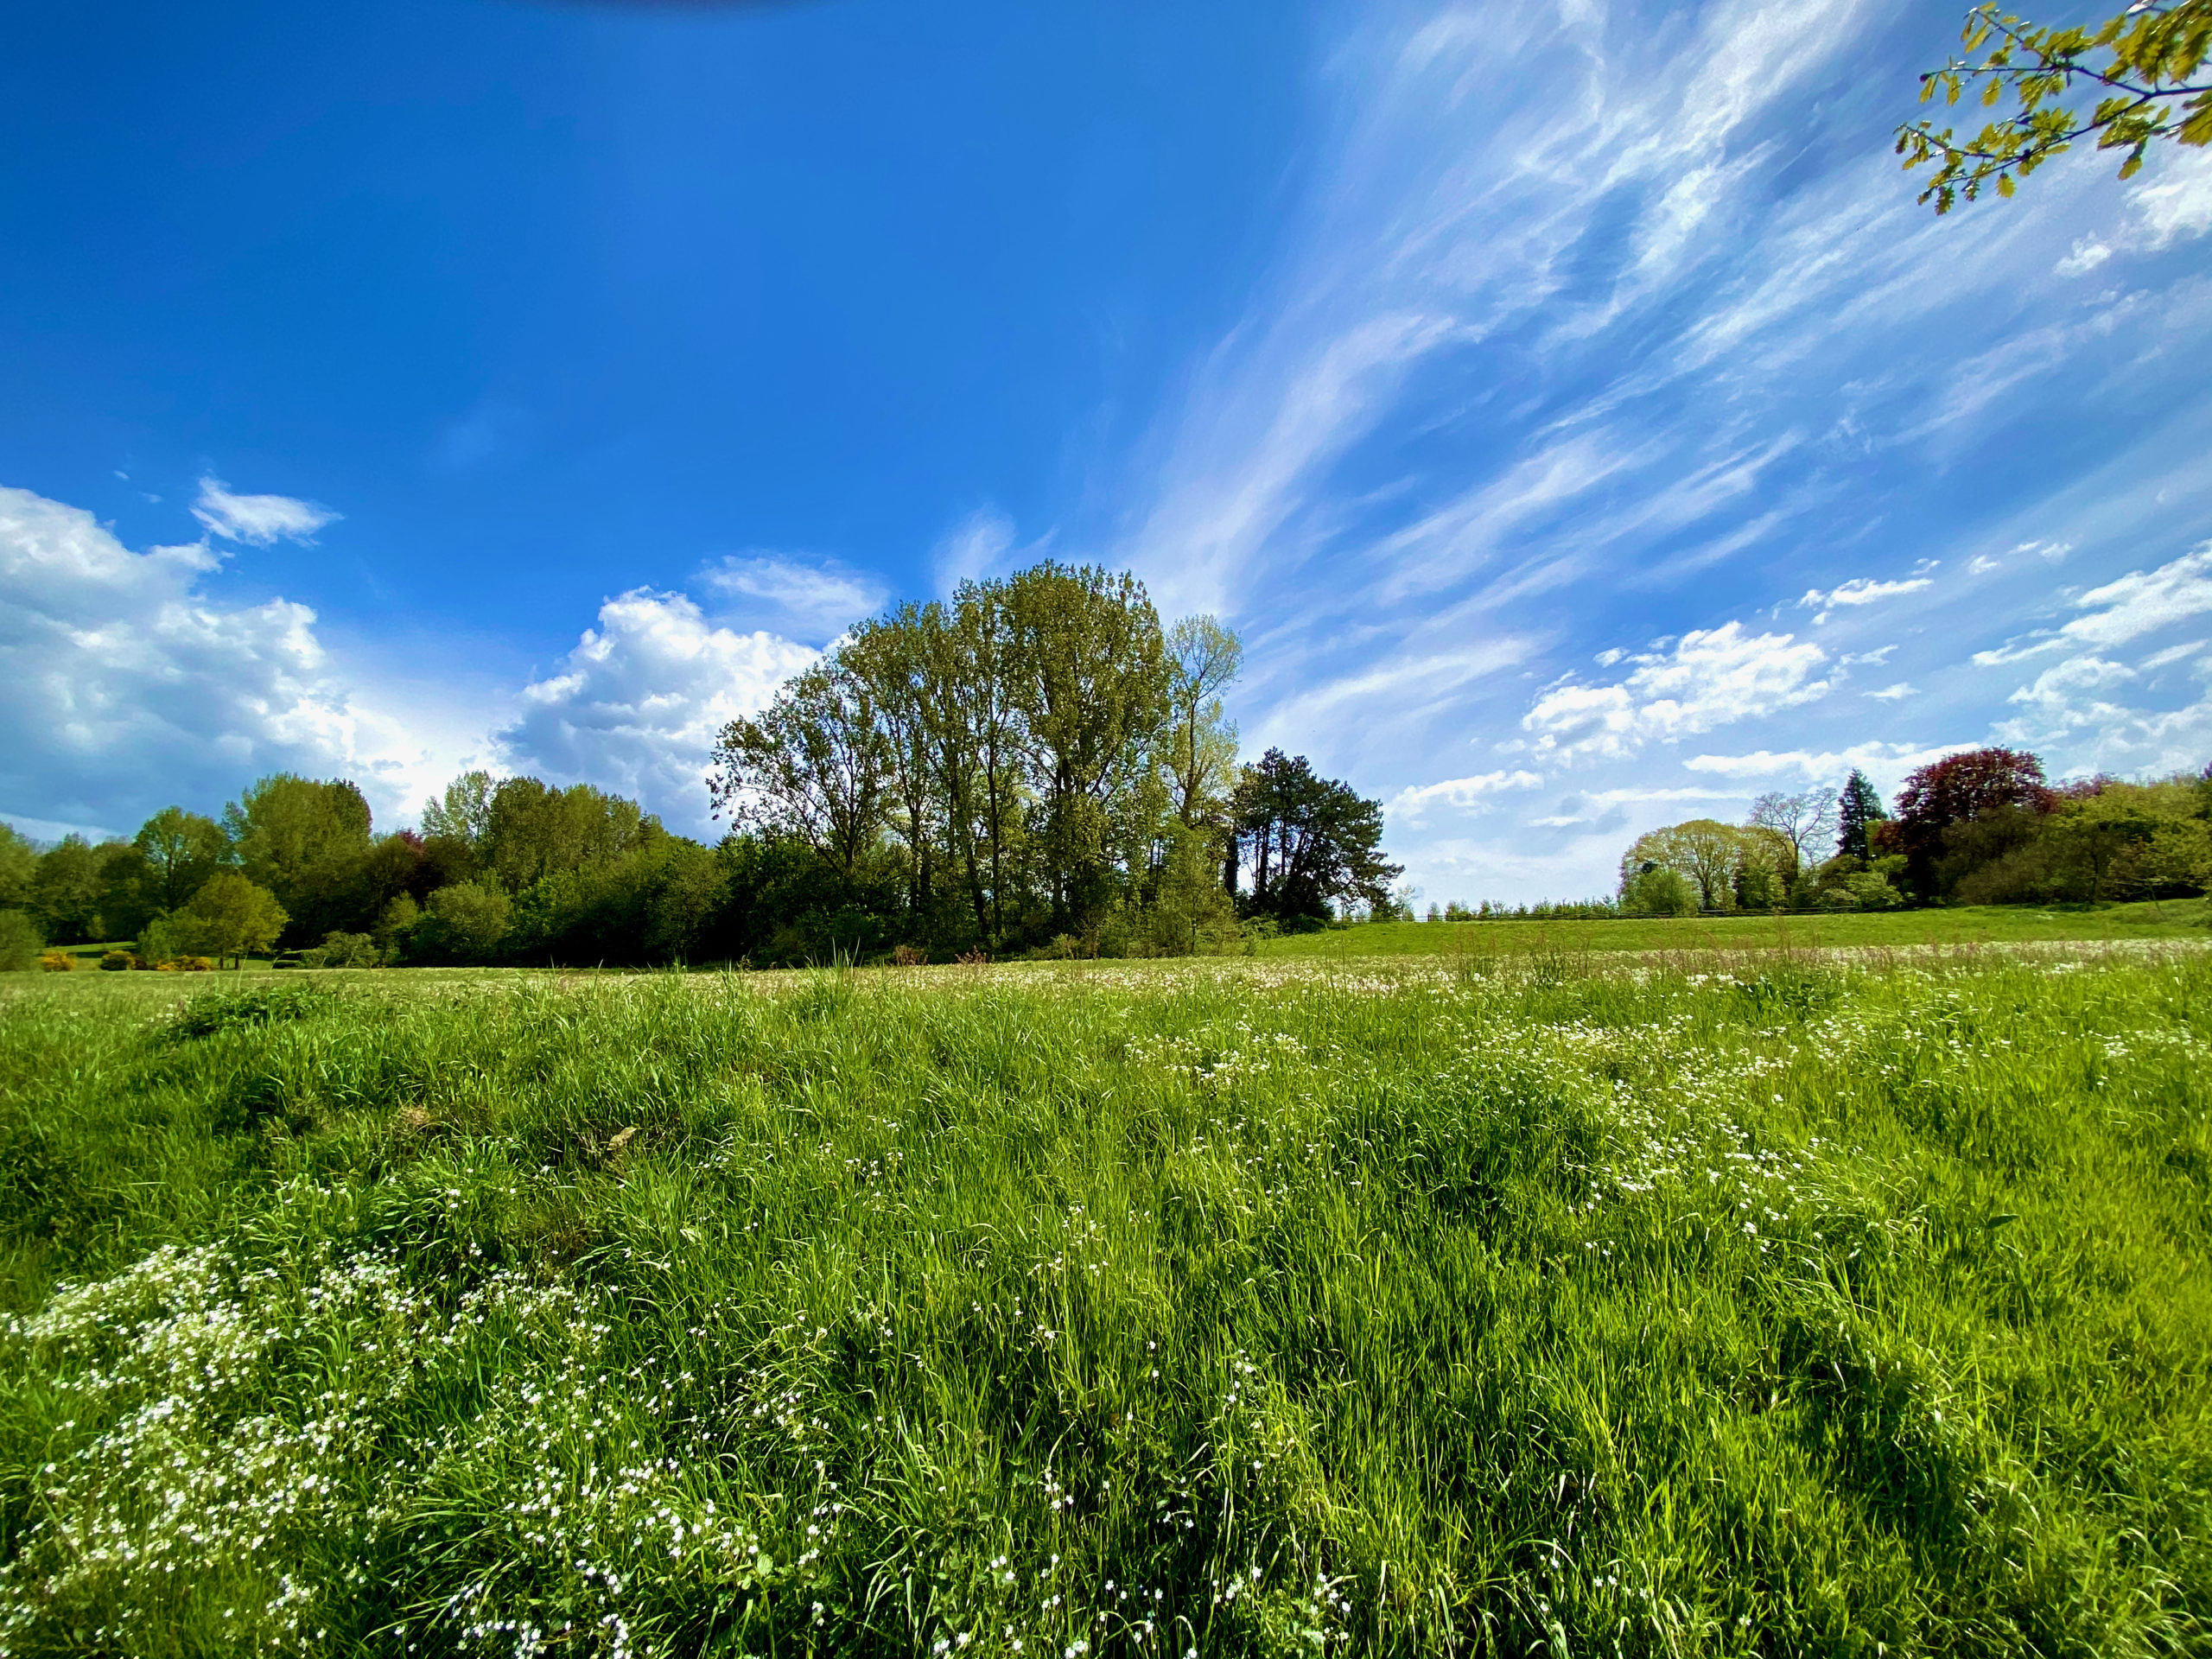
[(1489, 1306)]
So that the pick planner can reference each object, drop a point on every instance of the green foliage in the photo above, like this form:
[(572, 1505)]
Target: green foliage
[(1859, 810), (18, 868), (1717, 859), (1191, 911), (180, 850), (20, 941), (229, 917), (466, 923), (1656, 890), (2149, 88), (463, 813), (990, 774), (533, 830), (306, 843), (65, 890), (343, 951), (1308, 841), (1772, 1308)]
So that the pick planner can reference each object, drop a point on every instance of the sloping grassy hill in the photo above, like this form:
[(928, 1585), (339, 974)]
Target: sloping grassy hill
[(1260, 1309)]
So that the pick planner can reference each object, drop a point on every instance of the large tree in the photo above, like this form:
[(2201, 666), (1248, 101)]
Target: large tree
[(65, 890), (1940, 805), (229, 918), (1203, 657), (1091, 679), (304, 840), (531, 830), (1858, 809), (18, 868), (1704, 851), (2143, 67), (1803, 821), (463, 813), (814, 765), (1308, 841), (182, 850)]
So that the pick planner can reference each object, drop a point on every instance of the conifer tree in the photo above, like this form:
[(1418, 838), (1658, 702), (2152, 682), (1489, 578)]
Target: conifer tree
[(1859, 810)]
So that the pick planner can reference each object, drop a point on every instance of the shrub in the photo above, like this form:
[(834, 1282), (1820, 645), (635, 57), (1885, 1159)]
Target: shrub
[(57, 962), (120, 962), (464, 923), (342, 949), (20, 943)]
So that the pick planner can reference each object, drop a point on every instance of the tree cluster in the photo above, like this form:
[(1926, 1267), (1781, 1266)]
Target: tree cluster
[(1035, 766), (507, 870), (1983, 827)]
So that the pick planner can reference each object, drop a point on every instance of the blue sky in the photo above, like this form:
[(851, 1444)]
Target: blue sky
[(1570, 407)]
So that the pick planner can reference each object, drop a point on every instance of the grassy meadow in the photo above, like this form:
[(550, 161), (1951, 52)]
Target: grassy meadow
[(1474, 1303), (1948, 925)]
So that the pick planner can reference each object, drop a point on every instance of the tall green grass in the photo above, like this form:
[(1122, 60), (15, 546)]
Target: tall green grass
[(1155, 1311)]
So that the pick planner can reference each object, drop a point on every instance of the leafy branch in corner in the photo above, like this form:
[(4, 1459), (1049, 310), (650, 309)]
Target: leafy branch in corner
[(2151, 86)]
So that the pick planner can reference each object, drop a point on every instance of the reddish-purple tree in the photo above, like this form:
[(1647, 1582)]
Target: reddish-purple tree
[(1961, 788)]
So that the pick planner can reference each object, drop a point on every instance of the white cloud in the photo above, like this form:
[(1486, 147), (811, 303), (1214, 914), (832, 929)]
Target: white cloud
[(1893, 693), (1859, 590), (2177, 204), (2073, 712), (2140, 603), (640, 700), (2088, 253), (978, 547), (1711, 678), (812, 600), (126, 684), (258, 520), (1884, 762), (1853, 659), (1463, 794), (2172, 654)]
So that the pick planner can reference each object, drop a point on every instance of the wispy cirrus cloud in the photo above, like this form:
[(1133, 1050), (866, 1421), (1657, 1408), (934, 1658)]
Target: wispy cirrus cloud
[(1599, 325), (807, 598), (259, 520)]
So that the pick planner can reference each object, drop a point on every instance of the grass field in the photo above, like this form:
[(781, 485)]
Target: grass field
[(1965, 925), (1467, 1304)]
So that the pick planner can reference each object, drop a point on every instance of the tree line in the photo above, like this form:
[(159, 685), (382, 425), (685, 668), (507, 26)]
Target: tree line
[(1034, 767), (1981, 828)]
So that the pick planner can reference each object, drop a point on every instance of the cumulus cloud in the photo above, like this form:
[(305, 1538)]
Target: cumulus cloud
[(1462, 794), (2074, 709), (809, 599), (125, 683), (1710, 677), (638, 702), (260, 520)]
